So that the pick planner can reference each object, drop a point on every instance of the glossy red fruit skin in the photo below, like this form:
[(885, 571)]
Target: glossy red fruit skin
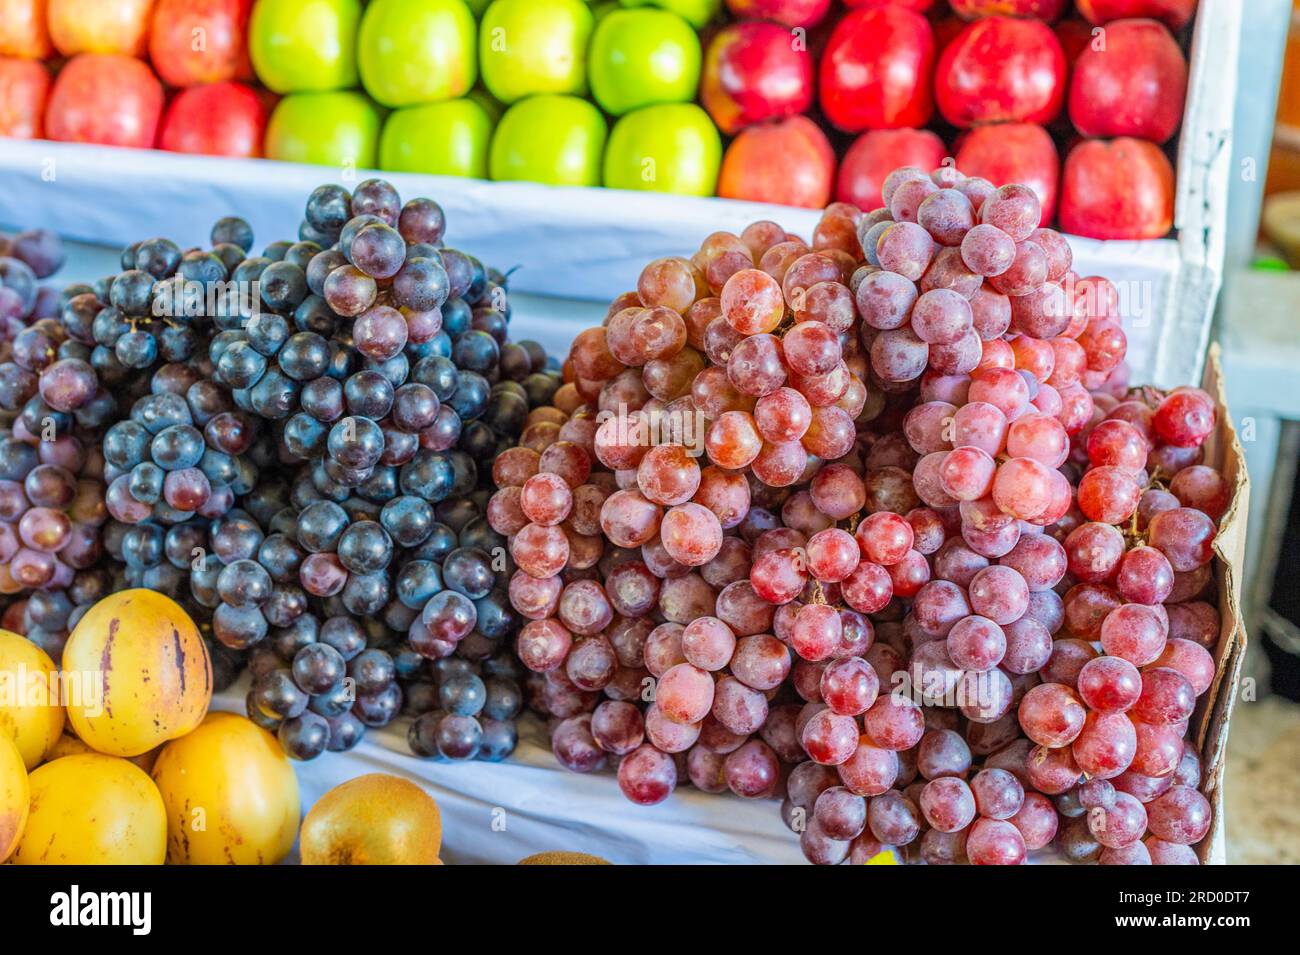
[(877, 153), (1134, 87), (752, 73), (24, 89), (1121, 189), (222, 119), (105, 98), (1174, 13), (1001, 69), (920, 6), (789, 13), (876, 70), (788, 162), (1014, 152), (222, 56), (1046, 10)]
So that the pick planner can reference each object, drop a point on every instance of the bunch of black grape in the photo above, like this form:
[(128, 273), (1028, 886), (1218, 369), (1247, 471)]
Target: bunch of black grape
[(52, 412), (26, 259), (369, 391)]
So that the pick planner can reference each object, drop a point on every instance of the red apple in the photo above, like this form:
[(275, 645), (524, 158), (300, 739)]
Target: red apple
[(1048, 10), (24, 88), (222, 119), (752, 72), (1013, 152), (105, 98), (1117, 189), (1135, 86), (1174, 13), (876, 70), (22, 29), (920, 6), (790, 13), (1001, 70), (99, 26), (879, 152), (788, 162), (200, 41)]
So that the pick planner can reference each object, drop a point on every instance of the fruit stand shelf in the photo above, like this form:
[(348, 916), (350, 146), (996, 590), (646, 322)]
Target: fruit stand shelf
[(497, 813), (565, 243)]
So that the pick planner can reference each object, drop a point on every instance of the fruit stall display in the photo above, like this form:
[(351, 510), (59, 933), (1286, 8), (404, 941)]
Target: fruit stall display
[(777, 79), (816, 101), (782, 476)]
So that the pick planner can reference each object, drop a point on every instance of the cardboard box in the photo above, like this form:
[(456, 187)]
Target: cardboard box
[(1211, 721)]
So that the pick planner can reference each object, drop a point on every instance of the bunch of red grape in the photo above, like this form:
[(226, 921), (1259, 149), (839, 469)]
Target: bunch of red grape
[(932, 525)]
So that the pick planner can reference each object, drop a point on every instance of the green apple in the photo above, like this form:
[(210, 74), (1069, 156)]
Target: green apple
[(303, 46), (642, 57), (328, 129), (673, 147), (534, 46), (552, 139), (417, 51), (441, 139), (696, 12)]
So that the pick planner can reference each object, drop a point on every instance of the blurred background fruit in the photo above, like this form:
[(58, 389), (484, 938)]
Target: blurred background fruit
[(1008, 86), (643, 57), (557, 140), (305, 45), (1013, 152), (220, 119), (332, 129), (200, 41), (238, 776), (876, 71), (93, 810), (94, 26), (1001, 70), (23, 30), (376, 819), (788, 161), (752, 72), (24, 89), (668, 148), (877, 153), (105, 98), (1135, 86), (416, 51), (697, 13), (157, 678), (534, 46), (442, 139), (1121, 189)]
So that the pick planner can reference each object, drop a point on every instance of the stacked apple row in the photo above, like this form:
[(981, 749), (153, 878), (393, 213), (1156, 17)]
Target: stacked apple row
[(570, 93)]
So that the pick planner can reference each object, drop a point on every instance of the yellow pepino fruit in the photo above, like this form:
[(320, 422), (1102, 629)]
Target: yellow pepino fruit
[(15, 797), (231, 795), (92, 809), (375, 819), (30, 713), (560, 857), (150, 673)]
